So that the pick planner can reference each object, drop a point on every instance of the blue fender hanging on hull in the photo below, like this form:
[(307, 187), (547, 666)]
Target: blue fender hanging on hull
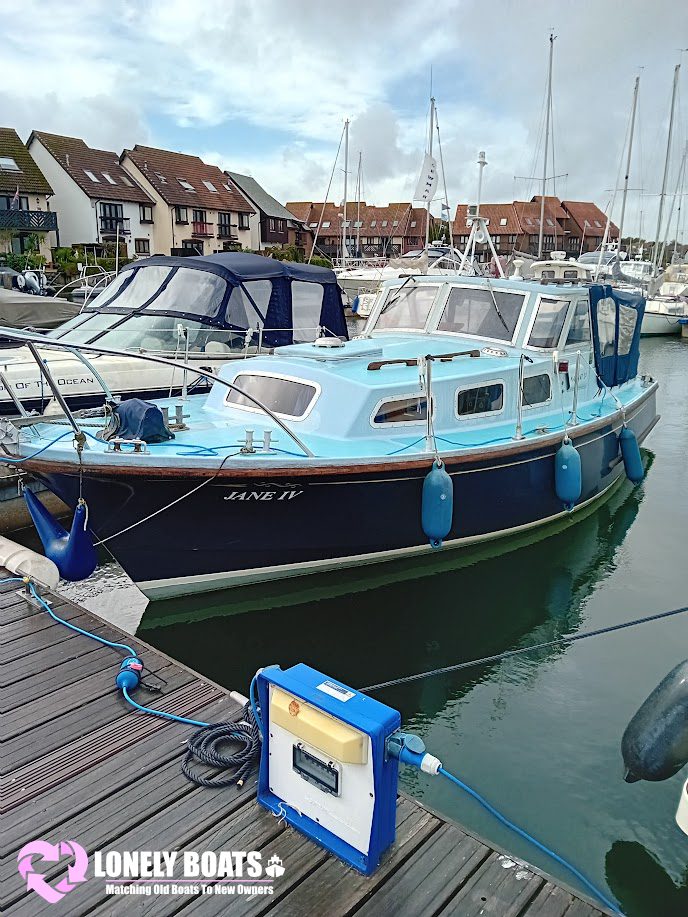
[(438, 505), (630, 453), (73, 552), (568, 479)]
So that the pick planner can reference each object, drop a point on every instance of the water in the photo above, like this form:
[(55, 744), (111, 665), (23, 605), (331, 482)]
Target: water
[(539, 735)]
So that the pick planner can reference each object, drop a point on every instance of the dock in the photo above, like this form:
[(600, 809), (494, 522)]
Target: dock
[(78, 764)]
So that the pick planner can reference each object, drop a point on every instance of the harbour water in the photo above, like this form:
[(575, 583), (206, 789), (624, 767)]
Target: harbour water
[(538, 735)]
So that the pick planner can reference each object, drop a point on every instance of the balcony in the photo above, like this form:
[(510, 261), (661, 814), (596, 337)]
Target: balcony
[(202, 230), (109, 226), (29, 220)]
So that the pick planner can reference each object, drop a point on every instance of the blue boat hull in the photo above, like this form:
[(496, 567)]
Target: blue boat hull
[(243, 528)]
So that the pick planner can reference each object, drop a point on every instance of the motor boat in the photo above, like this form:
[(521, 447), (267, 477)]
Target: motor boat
[(200, 310), (26, 310), (318, 456), (361, 284), (669, 304)]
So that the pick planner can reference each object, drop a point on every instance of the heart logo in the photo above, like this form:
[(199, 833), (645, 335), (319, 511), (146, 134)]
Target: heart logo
[(52, 853)]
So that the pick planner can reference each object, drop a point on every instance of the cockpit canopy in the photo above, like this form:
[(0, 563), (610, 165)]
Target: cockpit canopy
[(211, 295)]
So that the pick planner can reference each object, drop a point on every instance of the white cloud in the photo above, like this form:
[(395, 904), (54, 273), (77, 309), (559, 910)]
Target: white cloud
[(138, 71)]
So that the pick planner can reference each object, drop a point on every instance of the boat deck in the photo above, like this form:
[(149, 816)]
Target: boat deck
[(78, 764)]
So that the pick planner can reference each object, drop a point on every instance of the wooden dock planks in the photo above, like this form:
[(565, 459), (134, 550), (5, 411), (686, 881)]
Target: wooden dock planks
[(78, 764)]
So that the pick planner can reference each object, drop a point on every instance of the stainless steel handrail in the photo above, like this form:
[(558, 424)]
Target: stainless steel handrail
[(32, 339)]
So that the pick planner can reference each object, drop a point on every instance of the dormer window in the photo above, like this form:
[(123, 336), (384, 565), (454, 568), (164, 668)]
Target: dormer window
[(126, 181), (92, 176), (503, 221), (413, 224), (325, 225), (161, 178), (186, 185), (7, 164), (373, 224), (210, 186), (109, 178), (384, 223)]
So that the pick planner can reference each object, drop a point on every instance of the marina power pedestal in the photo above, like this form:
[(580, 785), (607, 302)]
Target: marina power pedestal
[(324, 767)]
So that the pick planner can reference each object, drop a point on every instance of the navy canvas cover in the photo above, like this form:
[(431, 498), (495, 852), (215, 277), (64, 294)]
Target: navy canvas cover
[(137, 419), (616, 319), (240, 269)]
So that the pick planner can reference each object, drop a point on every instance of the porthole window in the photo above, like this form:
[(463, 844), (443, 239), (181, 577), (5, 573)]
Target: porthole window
[(402, 410), (285, 397), (485, 399), (536, 390)]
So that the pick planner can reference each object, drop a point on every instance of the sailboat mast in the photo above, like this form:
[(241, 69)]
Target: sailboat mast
[(544, 168), (358, 206), (430, 133), (655, 254), (628, 164), (346, 175)]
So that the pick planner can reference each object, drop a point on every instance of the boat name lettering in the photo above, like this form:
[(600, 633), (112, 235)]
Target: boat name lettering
[(86, 380), (262, 495)]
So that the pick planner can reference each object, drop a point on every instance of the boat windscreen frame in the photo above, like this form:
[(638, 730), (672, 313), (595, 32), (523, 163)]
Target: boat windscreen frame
[(379, 306), (564, 325), (437, 318)]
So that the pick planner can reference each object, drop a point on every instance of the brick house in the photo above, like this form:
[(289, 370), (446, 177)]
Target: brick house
[(570, 226), (24, 199), (272, 225), (372, 232), (198, 210)]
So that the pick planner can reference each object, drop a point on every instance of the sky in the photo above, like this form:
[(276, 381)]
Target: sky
[(263, 87)]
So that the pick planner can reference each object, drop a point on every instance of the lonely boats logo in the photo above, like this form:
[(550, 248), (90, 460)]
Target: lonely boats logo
[(147, 872)]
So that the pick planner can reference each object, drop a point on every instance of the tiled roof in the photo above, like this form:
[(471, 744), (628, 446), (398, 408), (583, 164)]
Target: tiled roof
[(375, 221), (259, 197), (165, 170), (77, 160), (495, 213), (528, 215), (583, 212), (29, 177)]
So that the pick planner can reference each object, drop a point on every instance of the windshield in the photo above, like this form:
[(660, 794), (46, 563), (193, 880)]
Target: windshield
[(594, 257), (162, 333), (198, 292), (82, 329), (472, 310), (407, 307)]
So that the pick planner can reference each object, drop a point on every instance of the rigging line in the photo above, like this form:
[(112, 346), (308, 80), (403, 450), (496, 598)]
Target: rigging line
[(549, 644), (167, 505), (444, 182), (327, 194)]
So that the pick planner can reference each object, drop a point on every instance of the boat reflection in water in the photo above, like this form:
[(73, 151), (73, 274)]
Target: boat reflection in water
[(458, 608)]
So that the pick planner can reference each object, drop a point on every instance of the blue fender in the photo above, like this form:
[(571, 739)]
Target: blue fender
[(437, 505), (630, 453), (568, 479), (73, 552)]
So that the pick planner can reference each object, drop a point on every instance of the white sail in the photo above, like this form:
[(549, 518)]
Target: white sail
[(427, 182)]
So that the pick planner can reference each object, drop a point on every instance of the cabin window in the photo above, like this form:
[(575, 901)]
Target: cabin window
[(571, 275), (536, 390), (89, 329), (472, 310), (606, 321), (191, 291), (481, 400), (306, 306), (241, 312), (579, 329), (158, 333), (402, 410), (548, 275), (145, 283), (548, 322), (285, 397), (407, 307)]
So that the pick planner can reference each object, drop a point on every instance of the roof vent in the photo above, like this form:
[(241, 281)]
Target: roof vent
[(328, 342)]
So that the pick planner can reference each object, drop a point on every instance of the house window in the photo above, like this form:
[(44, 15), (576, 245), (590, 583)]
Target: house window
[(195, 246), (497, 240), (6, 202), (413, 223), (373, 224), (384, 223), (395, 223), (502, 222), (142, 246), (145, 214), (325, 225), (181, 215), (314, 225), (358, 224), (126, 181), (161, 178), (272, 223), (224, 224), (108, 178), (481, 400), (536, 390), (243, 221), (8, 164), (112, 218), (186, 185), (210, 186), (92, 176), (198, 216), (512, 240)]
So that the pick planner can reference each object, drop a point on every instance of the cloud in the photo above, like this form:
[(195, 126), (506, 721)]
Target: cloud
[(153, 71)]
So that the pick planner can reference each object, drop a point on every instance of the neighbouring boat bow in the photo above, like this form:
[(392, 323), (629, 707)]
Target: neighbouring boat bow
[(316, 456)]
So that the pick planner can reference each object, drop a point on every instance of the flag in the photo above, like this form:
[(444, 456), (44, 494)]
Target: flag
[(14, 203), (427, 182)]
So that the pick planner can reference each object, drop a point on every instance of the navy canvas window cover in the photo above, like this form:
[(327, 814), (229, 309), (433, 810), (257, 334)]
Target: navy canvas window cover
[(616, 319), (239, 269)]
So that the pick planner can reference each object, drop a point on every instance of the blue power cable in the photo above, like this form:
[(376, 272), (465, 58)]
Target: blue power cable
[(25, 458), (528, 837), (161, 713)]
